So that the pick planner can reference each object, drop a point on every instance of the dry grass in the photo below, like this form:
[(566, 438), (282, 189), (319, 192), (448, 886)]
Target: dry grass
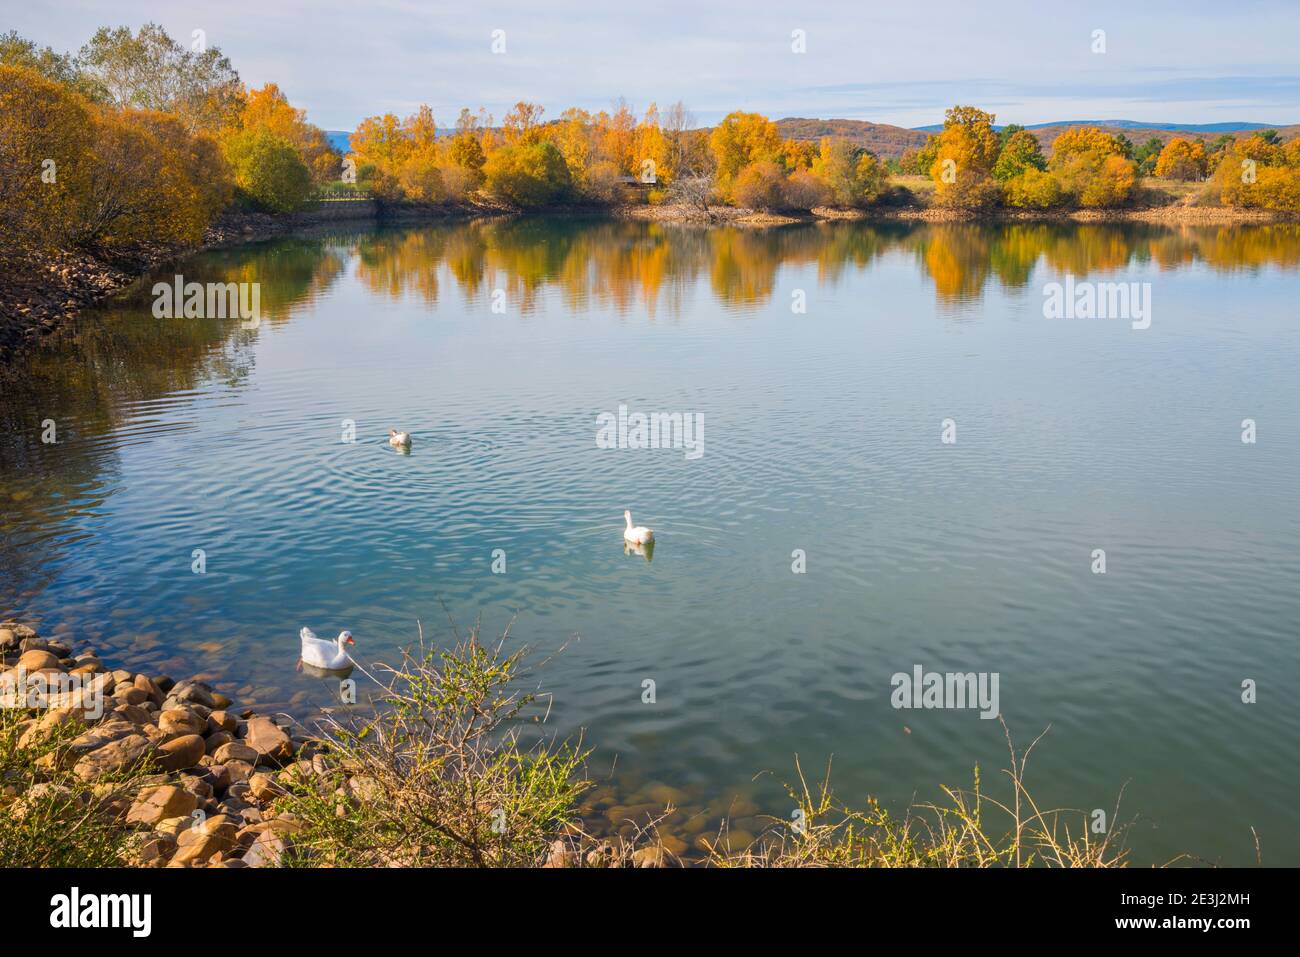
[(438, 776), (971, 830), (49, 817)]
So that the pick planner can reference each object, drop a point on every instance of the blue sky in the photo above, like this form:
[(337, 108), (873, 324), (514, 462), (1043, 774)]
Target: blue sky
[(1193, 61)]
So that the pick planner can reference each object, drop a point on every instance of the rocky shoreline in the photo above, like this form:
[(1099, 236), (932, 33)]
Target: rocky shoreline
[(44, 293), (219, 769), (215, 771)]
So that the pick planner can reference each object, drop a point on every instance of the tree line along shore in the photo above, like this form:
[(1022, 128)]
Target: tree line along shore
[(136, 149)]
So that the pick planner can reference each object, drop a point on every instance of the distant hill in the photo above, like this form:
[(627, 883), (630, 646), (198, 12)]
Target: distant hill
[(1169, 127), (887, 142), (1136, 125), (1206, 132), (890, 142), (339, 140)]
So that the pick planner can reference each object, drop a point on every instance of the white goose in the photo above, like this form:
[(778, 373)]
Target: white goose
[(399, 440), (637, 535), (324, 654)]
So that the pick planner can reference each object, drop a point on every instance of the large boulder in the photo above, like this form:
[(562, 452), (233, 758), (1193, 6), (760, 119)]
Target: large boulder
[(35, 660), (235, 751), (175, 722), (155, 805), (196, 692), (115, 756), (180, 753), (268, 739)]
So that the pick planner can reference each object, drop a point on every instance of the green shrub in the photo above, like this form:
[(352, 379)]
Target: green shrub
[(268, 170)]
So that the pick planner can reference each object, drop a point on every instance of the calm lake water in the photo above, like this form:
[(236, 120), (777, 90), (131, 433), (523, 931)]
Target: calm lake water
[(822, 433)]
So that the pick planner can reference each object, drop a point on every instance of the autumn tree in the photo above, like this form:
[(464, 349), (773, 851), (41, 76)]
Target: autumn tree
[(1091, 167), (1182, 159), (465, 155), (1258, 171), (652, 157), (62, 68), (269, 109), (739, 141), (1020, 151), (527, 174), (522, 125), (760, 185), (45, 150), (149, 70), (804, 189), (1032, 188), (963, 165), (853, 176), (73, 173)]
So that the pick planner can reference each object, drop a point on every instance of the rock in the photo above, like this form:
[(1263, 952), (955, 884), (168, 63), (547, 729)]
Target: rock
[(8, 639), (48, 725), (363, 788), (217, 740), (130, 695), (268, 739), (197, 851), (222, 721), (217, 776), (133, 713), (200, 787), (174, 825), (180, 753), (153, 850), (263, 788), (100, 735), (36, 660), (267, 850), (238, 771), (561, 855), (648, 857), (57, 796), (673, 845), (197, 692), (179, 721), (115, 756), (235, 751), (219, 826), (151, 690), (158, 804)]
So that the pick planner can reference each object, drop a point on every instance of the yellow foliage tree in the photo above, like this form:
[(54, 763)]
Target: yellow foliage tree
[(1091, 167), (1033, 189), (45, 145), (963, 163), (1182, 159), (740, 140), (269, 109)]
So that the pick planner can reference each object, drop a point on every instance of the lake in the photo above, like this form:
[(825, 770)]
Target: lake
[(903, 462)]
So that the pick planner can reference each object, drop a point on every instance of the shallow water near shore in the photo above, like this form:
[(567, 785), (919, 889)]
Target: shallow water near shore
[(822, 433)]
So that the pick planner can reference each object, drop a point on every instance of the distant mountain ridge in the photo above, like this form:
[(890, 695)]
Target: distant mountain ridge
[(1233, 127), (891, 142)]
